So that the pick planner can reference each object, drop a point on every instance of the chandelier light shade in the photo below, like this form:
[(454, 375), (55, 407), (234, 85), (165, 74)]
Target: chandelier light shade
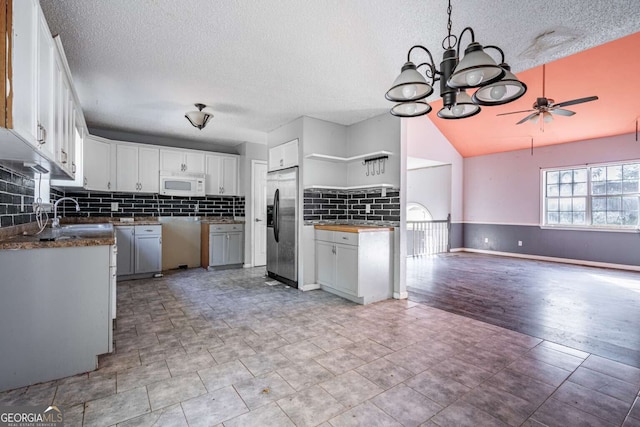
[(198, 119), (411, 108), (495, 84), (475, 69), (508, 89), (410, 85), (463, 107)]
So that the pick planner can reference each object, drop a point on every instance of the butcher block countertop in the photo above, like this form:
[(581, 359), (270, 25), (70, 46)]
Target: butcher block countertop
[(348, 228)]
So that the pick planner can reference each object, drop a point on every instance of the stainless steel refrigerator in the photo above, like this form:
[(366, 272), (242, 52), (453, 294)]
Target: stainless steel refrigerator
[(282, 225)]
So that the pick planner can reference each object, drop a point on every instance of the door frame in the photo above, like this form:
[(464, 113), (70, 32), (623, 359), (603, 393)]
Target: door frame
[(252, 221)]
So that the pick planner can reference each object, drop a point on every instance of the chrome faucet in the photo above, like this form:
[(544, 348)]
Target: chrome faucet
[(56, 219)]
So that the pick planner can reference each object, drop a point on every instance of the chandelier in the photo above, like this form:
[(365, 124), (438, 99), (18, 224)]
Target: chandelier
[(496, 84)]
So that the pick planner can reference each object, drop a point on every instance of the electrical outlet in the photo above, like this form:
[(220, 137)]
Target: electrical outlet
[(114, 206), (486, 240), (196, 207), (519, 242), (384, 192), (367, 208), (21, 203)]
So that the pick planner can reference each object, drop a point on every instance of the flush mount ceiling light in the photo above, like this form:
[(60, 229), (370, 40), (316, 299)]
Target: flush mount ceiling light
[(198, 118), (475, 70)]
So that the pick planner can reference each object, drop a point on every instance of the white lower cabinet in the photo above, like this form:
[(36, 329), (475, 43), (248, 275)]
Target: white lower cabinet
[(222, 245), (139, 250), (355, 265)]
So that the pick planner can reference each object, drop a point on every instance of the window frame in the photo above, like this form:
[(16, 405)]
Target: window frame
[(589, 226)]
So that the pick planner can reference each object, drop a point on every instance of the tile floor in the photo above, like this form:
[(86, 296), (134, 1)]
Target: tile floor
[(203, 348)]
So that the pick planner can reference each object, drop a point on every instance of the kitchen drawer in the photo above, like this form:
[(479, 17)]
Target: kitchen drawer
[(324, 235), (150, 230), (346, 238), (223, 228)]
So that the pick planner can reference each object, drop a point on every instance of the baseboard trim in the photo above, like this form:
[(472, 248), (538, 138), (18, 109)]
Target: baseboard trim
[(401, 295), (553, 259), (309, 287)]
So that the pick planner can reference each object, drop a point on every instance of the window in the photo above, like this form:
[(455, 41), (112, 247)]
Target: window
[(417, 212), (592, 196)]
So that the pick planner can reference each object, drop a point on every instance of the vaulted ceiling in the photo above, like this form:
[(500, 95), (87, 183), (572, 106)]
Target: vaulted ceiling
[(139, 65)]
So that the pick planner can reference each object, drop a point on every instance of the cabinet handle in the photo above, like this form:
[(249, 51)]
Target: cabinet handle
[(73, 167), (64, 156), (42, 134), (109, 185), (84, 181), (281, 162)]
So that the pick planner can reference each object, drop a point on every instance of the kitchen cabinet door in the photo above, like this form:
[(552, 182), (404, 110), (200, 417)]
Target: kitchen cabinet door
[(217, 248), (97, 165), (148, 253), (222, 175), (45, 89), (234, 248), (347, 269), (325, 263), (149, 170), (126, 168), (125, 240), (283, 156), (194, 162), (171, 161)]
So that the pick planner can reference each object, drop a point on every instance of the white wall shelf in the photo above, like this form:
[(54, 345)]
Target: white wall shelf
[(353, 187), (337, 159)]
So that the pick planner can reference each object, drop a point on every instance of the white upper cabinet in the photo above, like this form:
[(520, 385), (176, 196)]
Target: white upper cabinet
[(39, 104), (99, 164), (182, 161), (222, 175), (137, 169), (283, 156)]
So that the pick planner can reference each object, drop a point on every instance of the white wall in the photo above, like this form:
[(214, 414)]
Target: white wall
[(321, 137), (504, 188), (375, 134), (424, 140), (431, 187)]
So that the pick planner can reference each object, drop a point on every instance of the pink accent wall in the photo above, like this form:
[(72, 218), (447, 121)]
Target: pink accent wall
[(504, 188)]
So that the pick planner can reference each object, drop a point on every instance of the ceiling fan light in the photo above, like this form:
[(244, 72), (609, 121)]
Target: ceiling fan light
[(463, 108), (475, 69), (547, 117), (411, 109), (506, 90), (410, 85), (198, 119)]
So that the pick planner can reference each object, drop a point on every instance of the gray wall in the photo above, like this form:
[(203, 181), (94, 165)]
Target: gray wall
[(431, 187), (592, 246)]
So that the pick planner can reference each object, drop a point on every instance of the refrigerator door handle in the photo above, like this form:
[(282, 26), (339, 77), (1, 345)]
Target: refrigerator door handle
[(276, 215)]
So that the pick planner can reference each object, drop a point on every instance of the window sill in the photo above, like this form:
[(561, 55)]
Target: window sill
[(578, 228)]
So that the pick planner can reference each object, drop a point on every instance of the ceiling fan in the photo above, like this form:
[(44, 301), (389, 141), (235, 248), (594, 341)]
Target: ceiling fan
[(544, 107)]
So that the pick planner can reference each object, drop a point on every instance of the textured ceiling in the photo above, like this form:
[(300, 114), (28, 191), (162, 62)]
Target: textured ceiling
[(139, 65)]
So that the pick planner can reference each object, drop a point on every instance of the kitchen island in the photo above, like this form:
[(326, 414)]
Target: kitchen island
[(55, 310), (355, 261)]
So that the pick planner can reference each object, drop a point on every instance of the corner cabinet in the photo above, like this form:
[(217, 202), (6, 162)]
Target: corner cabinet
[(137, 169), (222, 245), (222, 175), (355, 265), (283, 156)]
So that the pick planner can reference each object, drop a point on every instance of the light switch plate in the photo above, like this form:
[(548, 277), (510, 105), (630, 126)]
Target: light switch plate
[(114, 206)]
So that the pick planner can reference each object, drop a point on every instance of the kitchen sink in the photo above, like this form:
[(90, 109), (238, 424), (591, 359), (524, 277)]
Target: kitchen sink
[(76, 231)]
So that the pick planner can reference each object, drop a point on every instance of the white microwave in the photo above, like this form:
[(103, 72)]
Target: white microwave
[(182, 184)]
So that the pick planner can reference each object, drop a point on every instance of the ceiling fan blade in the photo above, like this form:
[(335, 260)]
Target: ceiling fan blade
[(529, 117), (576, 101), (561, 112), (515, 112)]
